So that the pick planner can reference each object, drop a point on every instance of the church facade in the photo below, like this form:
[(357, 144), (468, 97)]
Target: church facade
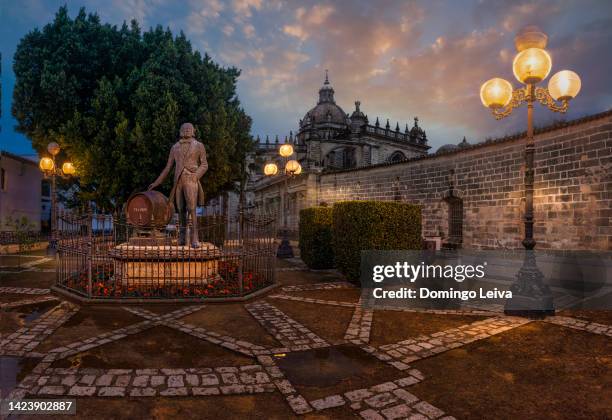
[(328, 138)]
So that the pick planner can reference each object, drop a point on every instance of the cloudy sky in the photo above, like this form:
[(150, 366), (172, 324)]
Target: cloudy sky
[(399, 58)]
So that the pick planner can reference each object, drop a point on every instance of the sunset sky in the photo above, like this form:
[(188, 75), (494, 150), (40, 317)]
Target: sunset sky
[(399, 58)]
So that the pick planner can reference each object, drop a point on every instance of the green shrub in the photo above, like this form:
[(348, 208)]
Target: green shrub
[(368, 225), (316, 237)]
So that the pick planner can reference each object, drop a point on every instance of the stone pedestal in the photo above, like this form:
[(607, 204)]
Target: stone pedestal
[(165, 265)]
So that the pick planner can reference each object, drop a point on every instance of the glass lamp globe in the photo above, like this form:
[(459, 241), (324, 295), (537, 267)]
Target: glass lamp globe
[(293, 166), (298, 170), (564, 85), (270, 169), (286, 150), (46, 164), (68, 168), (531, 65), (496, 93), (53, 148)]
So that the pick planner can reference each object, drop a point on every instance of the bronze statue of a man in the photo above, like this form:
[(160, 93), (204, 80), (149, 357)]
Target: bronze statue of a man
[(189, 155)]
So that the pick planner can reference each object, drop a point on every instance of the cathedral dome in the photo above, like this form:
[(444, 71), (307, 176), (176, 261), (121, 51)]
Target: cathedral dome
[(326, 109)]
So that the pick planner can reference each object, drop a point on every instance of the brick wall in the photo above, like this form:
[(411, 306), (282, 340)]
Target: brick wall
[(573, 188)]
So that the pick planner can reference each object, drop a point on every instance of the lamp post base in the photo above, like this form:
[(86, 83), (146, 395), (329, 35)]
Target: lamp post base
[(531, 297), (284, 249)]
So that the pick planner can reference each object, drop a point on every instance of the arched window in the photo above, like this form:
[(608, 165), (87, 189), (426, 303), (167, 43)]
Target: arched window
[(396, 156)]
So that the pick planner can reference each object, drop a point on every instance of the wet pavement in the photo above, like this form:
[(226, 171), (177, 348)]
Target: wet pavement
[(307, 348)]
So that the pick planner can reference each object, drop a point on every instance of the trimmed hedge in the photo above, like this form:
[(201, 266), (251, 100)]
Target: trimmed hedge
[(316, 237), (367, 225)]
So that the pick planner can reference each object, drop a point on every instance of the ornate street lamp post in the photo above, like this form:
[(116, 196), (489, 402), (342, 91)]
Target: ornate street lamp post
[(532, 64), (50, 169), (292, 168)]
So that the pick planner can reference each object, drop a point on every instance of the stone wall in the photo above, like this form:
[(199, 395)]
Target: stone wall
[(573, 187), (20, 191)]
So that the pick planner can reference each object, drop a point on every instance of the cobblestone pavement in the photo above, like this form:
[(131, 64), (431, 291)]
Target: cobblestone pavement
[(228, 380), (579, 324), (422, 346), (387, 400), (27, 301), (25, 339), (311, 300), (25, 290), (358, 331), (286, 330), (318, 286)]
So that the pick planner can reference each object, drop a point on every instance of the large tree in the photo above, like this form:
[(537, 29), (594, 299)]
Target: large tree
[(113, 98)]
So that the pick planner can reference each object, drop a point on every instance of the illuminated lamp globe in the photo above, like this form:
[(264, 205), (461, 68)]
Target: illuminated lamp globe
[(46, 164), (53, 148), (530, 37), (270, 169), (531, 65), (286, 150), (68, 168), (564, 85), (293, 166), (496, 93)]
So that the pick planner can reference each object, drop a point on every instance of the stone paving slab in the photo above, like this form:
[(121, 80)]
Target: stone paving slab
[(579, 324), (286, 330), (25, 339)]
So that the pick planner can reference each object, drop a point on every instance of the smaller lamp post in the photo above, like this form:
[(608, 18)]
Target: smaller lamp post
[(50, 170), (292, 168)]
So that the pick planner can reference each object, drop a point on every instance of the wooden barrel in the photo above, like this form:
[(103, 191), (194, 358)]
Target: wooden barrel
[(148, 209)]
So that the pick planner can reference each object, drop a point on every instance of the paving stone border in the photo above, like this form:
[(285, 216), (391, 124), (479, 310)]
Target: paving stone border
[(238, 345), (318, 286), (358, 331), (26, 302), (24, 340), (297, 402), (230, 380), (407, 351), (580, 324), (311, 300), (389, 400), (25, 290), (110, 336), (290, 333)]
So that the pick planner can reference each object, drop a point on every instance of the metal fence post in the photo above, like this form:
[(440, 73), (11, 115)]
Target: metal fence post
[(89, 251)]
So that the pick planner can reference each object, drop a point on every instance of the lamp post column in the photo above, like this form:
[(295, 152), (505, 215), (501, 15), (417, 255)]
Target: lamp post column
[(528, 242), (53, 243), (284, 249)]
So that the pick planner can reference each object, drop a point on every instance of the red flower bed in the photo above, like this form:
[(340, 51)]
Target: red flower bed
[(226, 284)]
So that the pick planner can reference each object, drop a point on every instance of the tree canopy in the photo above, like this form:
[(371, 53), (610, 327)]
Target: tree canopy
[(114, 98)]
